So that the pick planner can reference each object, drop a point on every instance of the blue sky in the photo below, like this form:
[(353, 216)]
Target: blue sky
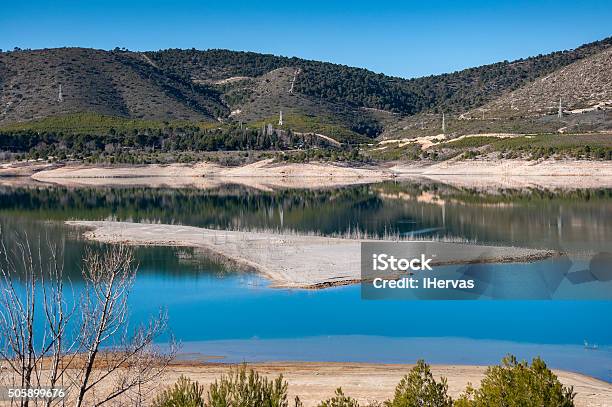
[(408, 39)]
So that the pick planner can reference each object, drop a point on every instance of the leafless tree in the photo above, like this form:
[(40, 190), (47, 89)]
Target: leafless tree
[(84, 343), (32, 289), (132, 362)]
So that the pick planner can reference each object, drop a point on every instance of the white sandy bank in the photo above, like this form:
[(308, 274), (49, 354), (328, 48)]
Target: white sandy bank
[(261, 175), (266, 174)]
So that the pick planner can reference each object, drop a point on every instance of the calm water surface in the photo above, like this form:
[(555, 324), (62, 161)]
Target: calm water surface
[(219, 312)]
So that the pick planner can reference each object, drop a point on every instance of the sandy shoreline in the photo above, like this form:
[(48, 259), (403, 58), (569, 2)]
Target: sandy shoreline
[(288, 260), (268, 175), (514, 167), (487, 173), (315, 381), (369, 383), (262, 175)]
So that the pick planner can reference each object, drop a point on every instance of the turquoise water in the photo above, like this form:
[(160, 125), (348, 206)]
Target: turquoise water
[(237, 316), (385, 349), (243, 307)]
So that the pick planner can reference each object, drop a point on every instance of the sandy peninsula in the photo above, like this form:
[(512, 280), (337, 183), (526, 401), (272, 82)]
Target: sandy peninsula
[(288, 260), (314, 381)]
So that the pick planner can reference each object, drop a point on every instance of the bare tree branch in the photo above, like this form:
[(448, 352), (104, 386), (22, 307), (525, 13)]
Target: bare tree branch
[(81, 343)]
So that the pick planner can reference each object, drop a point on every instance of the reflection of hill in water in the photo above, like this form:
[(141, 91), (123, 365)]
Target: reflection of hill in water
[(529, 217), (580, 219)]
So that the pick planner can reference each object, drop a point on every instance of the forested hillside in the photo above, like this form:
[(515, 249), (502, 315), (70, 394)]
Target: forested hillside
[(453, 92)]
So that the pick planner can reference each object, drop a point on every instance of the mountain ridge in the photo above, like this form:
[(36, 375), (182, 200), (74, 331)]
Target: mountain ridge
[(236, 86)]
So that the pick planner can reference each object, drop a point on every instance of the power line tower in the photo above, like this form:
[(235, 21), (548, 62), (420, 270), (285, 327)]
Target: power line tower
[(60, 95), (280, 118), (443, 123), (560, 112)]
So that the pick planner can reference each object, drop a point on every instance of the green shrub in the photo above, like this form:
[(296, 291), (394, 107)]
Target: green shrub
[(470, 154), (184, 393), (246, 388), (516, 383), (339, 400), (419, 389)]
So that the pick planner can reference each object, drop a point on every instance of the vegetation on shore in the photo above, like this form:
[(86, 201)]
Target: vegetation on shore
[(327, 126), (512, 383), (515, 383), (594, 146), (537, 146), (103, 139), (97, 138), (94, 123)]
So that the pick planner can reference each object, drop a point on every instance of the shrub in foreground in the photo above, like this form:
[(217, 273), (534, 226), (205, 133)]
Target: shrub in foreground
[(339, 400), (419, 388), (511, 384), (516, 383), (246, 388), (184, 393)]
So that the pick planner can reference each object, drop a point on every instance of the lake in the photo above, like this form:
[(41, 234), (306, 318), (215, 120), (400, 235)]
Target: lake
[(215, 311)]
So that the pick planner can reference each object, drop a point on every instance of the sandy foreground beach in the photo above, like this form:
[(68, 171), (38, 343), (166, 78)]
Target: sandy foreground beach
[(288, 260), (369, 383), (265, 174), (314, 381)]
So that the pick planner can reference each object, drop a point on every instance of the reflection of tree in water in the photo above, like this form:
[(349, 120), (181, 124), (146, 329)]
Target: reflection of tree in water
[(577, 219), (178, 262), (509, 216)]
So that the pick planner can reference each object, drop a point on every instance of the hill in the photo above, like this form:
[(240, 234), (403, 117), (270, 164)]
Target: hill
[(584, 88), (235, 88), (120, 84), (581, 87), (357, 87)]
